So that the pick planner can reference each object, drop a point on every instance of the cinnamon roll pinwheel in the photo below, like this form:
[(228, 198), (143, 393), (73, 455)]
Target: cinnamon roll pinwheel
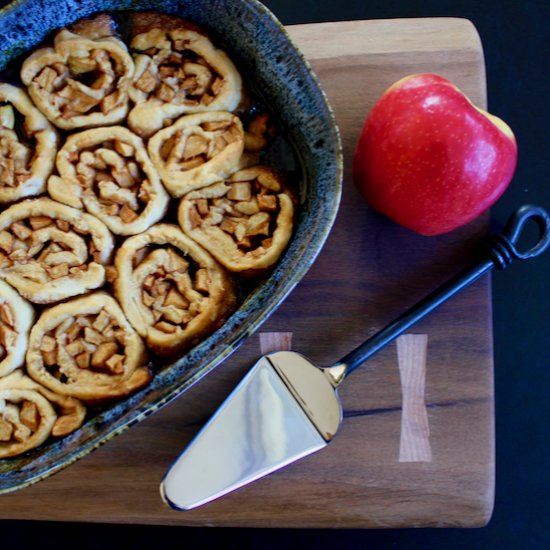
[(177, 71), (27, 150), (16, 317), (172, 291), (30, 414), (86, 348), (50, 251), (197, 150), (83, 80), (108, 172), (245, 222)]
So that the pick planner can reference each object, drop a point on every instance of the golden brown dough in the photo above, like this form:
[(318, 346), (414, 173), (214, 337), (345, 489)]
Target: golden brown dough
[(49, 251), (25, 164), (245, 222), (16, 318), (108, 172), (86, 348), (178, 71), (197, 150), (30, 413), (172, 291), (83, 80)]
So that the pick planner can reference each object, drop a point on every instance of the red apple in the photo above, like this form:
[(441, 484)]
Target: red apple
[(429, 159)]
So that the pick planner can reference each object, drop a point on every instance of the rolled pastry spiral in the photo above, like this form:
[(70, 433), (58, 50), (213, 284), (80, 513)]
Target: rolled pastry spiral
[(177, 71), (108, 172), (245, 222), (83, 80), (30, 413), (86, 348), (197, 150), (172, 291), (49, 251), (27, 157), (16, 318)]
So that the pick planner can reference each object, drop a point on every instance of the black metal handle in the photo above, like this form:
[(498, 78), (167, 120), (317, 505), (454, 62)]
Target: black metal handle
[(502, 249)]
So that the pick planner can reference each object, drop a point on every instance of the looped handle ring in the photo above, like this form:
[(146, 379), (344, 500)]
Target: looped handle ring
[(503, 246)]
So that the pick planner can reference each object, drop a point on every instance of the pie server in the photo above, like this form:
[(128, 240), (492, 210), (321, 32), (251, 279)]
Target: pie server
[(286, 407)]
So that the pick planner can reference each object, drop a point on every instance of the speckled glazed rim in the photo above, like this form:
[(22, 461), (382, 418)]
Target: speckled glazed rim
[(305, 108)]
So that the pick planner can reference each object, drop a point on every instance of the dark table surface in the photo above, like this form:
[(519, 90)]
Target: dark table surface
[(516, 41)]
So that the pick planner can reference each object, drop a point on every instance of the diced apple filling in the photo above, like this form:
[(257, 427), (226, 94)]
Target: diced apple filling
[(93, 341), (175, 292), (112, 173), (246, 209)]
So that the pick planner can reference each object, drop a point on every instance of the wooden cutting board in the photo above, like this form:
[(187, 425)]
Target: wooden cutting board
[(417, 444)]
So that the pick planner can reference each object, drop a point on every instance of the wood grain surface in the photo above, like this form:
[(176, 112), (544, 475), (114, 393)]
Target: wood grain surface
[(369, 271)]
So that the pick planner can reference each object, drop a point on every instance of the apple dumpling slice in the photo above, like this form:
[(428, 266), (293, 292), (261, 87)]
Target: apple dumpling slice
[(86, 348), (178, 71), (197, 150), (49, 251), (245, 222), (172, 291), (16, 317), (27, 419), (30, 413), (28, 144), (108, 172), (83, 79)]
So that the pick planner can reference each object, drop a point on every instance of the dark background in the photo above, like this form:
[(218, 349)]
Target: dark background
[(516, 41)]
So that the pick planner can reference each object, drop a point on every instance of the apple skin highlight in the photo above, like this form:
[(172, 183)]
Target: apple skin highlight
[(431, 160)]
